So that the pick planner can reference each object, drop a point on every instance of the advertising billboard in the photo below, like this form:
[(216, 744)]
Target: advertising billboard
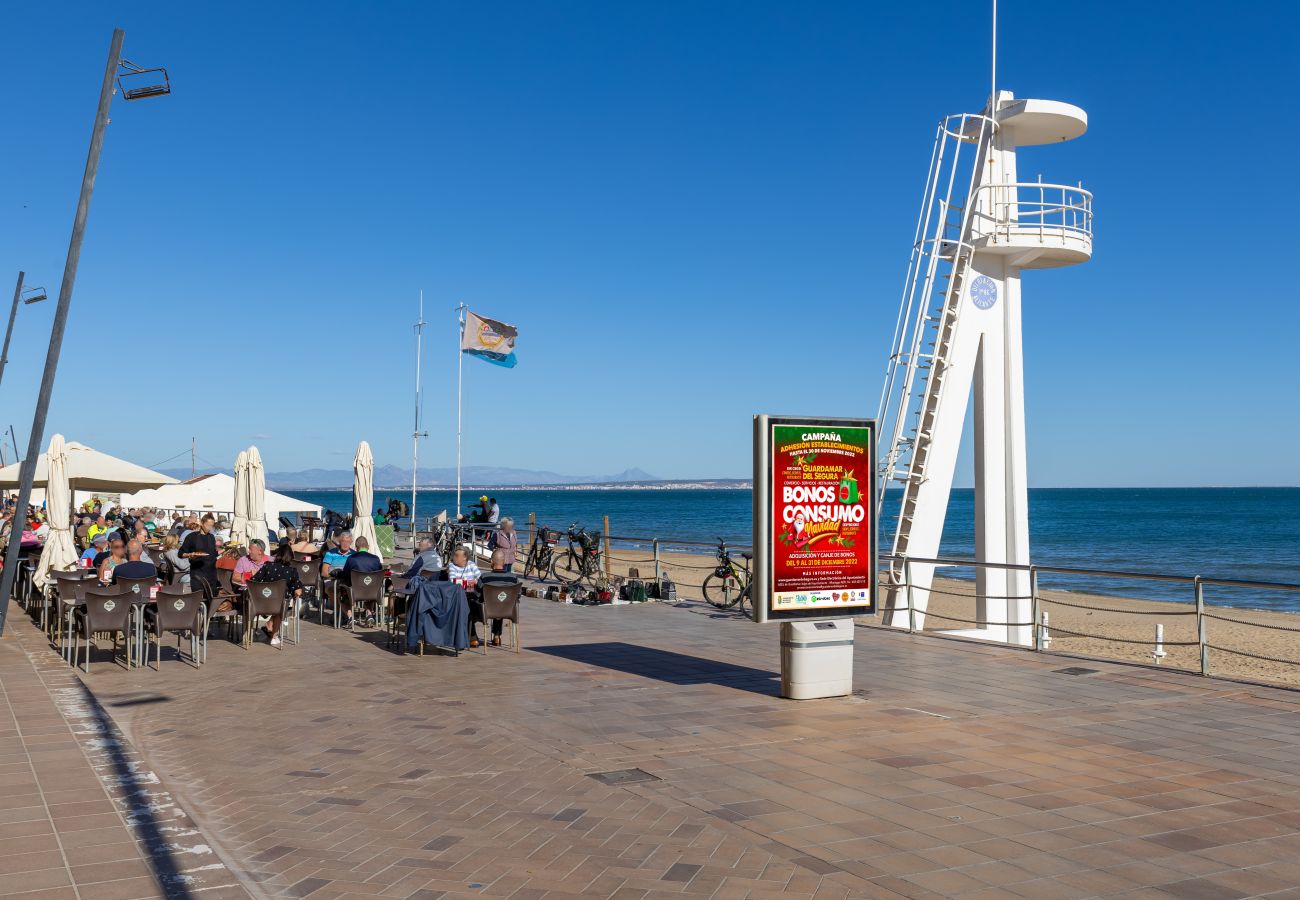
[(814, 517)]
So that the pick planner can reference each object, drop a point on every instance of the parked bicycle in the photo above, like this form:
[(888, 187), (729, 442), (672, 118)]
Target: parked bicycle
[(581, 562), (728, 585), (541, 555)]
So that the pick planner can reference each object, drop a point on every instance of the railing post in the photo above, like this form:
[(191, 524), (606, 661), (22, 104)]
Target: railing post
[(532, 529), (911, 607), (1200, 627), (659, 574), (1036, 607), (605, 563)]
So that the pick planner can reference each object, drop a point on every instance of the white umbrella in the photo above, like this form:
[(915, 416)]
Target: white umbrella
[(59, 552), (255, 481), (239, 527), (363, 494), (86, 469)]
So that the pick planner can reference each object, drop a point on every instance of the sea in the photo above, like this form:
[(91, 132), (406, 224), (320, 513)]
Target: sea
[(1249, 534)]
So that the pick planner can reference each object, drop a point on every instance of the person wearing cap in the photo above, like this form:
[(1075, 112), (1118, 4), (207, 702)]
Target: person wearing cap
[(484, 510), (98, 544)]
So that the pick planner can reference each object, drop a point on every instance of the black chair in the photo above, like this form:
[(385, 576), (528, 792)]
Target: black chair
[(501, 601), (106, 611), (366, 587), (309, 575), (264, 598), (178, 614), (215, 599)]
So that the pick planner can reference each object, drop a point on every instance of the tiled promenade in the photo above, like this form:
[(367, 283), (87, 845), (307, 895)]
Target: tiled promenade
[(337, 768)]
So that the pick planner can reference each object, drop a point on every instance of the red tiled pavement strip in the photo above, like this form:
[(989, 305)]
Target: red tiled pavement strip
[(78, 818), (337, 768)]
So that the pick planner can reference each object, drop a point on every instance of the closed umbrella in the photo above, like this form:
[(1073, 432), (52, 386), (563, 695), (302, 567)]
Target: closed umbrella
[(239, 527), (59, 553), (363, 495), (255, 478)]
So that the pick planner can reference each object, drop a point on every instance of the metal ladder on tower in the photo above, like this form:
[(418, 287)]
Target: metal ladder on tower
[(927, 317)]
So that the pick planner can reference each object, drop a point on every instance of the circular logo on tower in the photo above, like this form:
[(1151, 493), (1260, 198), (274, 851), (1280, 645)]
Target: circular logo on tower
[(984, 292)]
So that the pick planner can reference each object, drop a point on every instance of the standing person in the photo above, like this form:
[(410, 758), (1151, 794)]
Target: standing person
[(200, 548), (493, 511), (279, 566), (506, 539), (483, 511)]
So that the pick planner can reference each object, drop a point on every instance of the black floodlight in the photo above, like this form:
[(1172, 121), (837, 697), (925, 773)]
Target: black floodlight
[(137, 83), (37, 295)]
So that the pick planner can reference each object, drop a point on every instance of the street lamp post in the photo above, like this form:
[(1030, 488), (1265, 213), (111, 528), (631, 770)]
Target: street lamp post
[(28, 469), (37, 295)]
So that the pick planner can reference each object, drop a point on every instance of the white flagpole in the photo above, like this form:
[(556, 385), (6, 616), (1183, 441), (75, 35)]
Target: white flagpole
[(416, 435), (460, 369)]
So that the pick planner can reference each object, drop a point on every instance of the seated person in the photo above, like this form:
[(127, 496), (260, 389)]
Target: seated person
[(247, 566), (464, 571), (107, 562), (279, 566), (500, 575), (171, 552), (97, 546), (426, 559), (337, 557), (361, 561), (134, 567)]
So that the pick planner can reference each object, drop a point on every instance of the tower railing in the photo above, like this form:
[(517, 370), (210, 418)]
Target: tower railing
[(1011, 213)]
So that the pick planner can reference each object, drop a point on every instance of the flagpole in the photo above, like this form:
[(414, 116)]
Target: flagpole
[(460, 371), (415, 438)]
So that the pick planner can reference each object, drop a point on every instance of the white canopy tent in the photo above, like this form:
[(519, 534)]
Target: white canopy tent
[(89, 470), (215, 494)]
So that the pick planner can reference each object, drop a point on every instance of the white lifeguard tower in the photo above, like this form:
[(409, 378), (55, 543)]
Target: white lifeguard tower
[(958, 328)]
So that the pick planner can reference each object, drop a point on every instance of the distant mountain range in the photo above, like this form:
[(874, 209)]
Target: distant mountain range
[(396, 476)]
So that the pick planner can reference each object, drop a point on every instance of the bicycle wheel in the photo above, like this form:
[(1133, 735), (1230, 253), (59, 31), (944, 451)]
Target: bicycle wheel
[(532, 563), (721, 591), (746, 602), (568, 568)]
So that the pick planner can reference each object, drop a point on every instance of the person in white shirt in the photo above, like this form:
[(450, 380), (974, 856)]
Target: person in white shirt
[(462, 568)]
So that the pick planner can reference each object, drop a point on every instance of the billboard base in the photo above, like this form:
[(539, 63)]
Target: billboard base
[(816, 659)]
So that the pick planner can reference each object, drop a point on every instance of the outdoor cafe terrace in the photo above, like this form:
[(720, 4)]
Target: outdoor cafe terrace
[(637, 751)]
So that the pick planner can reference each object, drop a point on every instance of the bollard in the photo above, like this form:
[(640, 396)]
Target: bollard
[(1159, 653), (532, 529), (1045, 639)]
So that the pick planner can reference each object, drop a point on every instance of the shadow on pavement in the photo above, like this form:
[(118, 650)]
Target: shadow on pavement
[(667, 666)]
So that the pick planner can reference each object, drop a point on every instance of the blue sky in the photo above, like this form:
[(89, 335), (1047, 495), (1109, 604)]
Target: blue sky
[(692, 211)]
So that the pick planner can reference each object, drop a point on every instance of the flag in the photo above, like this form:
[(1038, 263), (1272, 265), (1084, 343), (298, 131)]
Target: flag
[(489, 339)]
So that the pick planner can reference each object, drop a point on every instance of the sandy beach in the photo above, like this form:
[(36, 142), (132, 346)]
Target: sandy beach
[(1118, 628)]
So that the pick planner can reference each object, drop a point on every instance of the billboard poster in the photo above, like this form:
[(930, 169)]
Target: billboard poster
[(819, 538)]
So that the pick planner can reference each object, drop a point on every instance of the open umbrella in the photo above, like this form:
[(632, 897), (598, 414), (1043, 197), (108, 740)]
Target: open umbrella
[(86, 469), (59, 553), (363, 495), (239, 527), (255, 482)]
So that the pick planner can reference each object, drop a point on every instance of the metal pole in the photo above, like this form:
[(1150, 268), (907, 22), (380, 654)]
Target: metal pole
[(1200, 627), (1036, 606), (9, 332), (605, 564), (460, 369), (911, 607), (28, 471), (415, 451), (13, 437), (659, 572)]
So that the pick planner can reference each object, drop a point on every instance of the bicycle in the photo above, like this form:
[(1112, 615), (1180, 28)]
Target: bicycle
[(541, 555), (729, 584), (581, 562)]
